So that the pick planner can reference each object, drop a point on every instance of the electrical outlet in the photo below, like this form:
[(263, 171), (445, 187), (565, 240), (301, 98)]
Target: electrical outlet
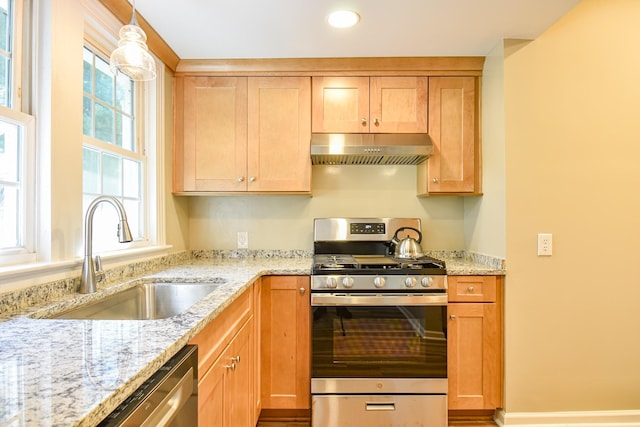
[(243, 239), (545, 244)]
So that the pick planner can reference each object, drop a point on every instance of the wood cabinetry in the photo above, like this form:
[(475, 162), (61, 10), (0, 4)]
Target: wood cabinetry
[(225, 367), (242, 134), (285, 345), (454, 166), (369, 104), (475, 342)]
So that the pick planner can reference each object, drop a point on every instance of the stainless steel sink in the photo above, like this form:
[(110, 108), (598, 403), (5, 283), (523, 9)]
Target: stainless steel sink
[(145, 301)]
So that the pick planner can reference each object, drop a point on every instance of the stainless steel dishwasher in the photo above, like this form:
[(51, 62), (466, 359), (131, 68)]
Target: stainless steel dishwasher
[(169, 398)]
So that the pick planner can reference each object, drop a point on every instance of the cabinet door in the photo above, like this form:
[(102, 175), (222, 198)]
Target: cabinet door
[(279, 129), (210, 150), (211, 395), (340, 104), (398, 104), (238, 403), (474, 356), (286, 380), (454, 166)]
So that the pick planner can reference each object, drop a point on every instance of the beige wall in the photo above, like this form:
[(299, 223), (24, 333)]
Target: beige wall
[(484, 217), (572, 103), (286, 222), (176, 208)]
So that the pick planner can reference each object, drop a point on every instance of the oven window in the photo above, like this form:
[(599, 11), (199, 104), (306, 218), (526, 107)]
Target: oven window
[(379, 342)]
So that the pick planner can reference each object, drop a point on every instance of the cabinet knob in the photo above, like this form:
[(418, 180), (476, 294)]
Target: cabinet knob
[(435, 180), (302, 291), (236, 359), (241, 179), (252, 179), (470, 289), (364, 122), (232, 366), (452, 317), (376, 122)]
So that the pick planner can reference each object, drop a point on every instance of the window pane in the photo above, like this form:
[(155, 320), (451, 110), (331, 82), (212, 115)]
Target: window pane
[(5, 26), (104, 123), (5, 82), (90, 171), (87, 73), (124, 132), (6, 30), (9, 151), (132, 208), (131, 179), (111, 175), (87, 116), (105, 237), (9, 214), (124, 94), (104, 81)]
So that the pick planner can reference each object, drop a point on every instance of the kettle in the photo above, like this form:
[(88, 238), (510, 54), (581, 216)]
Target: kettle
[(407, 248)]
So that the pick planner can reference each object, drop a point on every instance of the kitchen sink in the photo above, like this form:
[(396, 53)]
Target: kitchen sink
[(146, 301)]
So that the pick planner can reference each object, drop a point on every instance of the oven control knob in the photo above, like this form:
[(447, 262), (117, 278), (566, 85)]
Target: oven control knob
[(331, 282), (347, 282), (426, 282), (410, 282), (379, 282)]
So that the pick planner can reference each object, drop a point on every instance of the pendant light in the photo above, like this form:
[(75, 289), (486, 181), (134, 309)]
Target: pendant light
[(132, 56)]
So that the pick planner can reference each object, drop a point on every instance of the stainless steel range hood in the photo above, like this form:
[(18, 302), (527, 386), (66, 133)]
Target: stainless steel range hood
[(370, 148)]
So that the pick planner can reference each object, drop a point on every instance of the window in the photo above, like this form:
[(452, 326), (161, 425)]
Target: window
[(16, 131), (17, 176), (113, 163)]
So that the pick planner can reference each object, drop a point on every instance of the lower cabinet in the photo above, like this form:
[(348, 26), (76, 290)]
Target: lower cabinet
[(226, 393), (475, 337), (285, 335)]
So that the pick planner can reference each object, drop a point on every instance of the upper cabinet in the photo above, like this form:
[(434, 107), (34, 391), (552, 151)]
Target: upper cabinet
[(370, 104), (242, 134), (454, 167)]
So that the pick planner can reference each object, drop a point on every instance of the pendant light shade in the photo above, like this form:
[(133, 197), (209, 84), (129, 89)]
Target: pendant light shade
[(132, 56)]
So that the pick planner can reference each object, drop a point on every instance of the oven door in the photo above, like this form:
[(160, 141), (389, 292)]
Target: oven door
[(379, 336)]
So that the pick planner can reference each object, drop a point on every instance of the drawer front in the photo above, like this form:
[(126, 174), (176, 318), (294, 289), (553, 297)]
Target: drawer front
[(472, 288), (212, 340)]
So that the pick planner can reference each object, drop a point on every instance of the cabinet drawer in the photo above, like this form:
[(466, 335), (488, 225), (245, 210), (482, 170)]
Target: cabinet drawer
[(472, 288), (216, 335)]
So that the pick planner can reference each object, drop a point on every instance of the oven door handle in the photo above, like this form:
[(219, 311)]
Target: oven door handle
[(377, 300)]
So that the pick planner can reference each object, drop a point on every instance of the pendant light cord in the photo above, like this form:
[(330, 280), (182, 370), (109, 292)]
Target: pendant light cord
[(134, 21)]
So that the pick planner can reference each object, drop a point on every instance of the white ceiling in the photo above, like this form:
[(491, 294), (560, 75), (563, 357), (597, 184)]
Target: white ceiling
[(205, 29)]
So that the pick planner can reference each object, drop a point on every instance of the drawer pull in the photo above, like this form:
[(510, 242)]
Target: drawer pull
[(371, 406), (470, 289)]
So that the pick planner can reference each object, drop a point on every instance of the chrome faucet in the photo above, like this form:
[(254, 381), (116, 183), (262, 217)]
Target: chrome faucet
[(92, 273)]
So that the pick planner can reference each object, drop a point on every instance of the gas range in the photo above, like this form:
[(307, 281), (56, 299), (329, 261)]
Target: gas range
[(357, 254)]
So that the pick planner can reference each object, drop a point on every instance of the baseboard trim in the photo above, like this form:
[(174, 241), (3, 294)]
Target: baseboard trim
[(569, 419)]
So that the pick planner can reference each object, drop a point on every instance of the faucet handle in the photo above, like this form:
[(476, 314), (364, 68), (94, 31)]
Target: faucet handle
[(99, 273)]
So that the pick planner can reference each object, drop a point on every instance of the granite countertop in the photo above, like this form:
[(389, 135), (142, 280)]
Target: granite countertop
[(60, 372)]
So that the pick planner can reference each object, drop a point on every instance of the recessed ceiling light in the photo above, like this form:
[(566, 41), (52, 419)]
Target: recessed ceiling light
[(343, 18)]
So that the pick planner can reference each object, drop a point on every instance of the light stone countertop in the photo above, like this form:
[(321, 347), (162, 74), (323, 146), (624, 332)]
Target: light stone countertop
[(60, 372)]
